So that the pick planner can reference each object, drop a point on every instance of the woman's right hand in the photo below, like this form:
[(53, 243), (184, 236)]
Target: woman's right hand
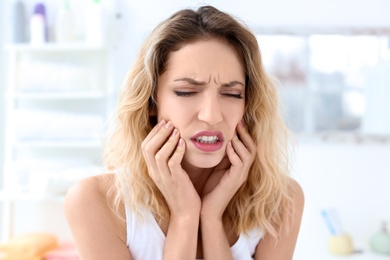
[(163, 150)]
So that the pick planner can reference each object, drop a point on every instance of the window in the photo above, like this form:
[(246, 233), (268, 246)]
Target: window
[(331, 82)]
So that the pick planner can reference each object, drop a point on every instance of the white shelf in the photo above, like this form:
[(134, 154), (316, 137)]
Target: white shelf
[(30, 197), (58, 144), (55, 47), (59, 95), (81, 101), (363, 256)]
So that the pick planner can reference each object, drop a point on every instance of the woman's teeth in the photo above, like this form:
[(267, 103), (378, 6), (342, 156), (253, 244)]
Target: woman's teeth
[(207, 139)]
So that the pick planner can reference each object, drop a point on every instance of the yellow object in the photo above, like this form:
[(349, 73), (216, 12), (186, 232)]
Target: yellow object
[(340, 245), (31, 246)]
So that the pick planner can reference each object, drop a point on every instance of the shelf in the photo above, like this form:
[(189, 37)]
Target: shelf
[(55, 47), (58, 144), (325, 256), (57, 99), (59, 95), (30, 197)]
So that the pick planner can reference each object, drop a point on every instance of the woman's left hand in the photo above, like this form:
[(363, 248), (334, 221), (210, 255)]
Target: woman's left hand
[(229, 175)]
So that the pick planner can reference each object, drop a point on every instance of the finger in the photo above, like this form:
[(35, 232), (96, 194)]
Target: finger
[(242, 151), (146, 147), (157, 164), (166, 151), (151, 146), (174, 163), (154, 131), (154, 143), (240, 163), (234, 158), (246, 138)]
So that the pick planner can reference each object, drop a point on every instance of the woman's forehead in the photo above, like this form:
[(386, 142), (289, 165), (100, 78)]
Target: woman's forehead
[(203, 58)]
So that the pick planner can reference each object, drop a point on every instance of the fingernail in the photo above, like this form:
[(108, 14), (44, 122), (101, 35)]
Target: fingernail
[(181, 142), (162, 122), (175, 132), (169, 124), (242, 122)]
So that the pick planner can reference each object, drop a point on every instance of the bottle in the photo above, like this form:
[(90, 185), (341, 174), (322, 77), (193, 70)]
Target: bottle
[(380, 242), (64, 29), (38, 27), (19, 22), (94, 23)]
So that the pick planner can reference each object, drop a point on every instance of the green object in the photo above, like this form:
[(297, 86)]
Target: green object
[(380, 242), (66, 5)]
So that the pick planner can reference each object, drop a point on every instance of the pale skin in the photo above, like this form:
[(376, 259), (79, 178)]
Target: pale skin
[(203, 89)]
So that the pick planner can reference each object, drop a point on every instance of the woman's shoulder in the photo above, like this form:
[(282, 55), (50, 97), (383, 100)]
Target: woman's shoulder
[(94, 220), (296, 192), (93, 198), (298, 201), (94, 188), (90, 195)]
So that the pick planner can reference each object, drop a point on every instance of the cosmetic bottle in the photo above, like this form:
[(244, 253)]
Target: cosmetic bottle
[(19, 22), (380, 242), (38, 27), (94, 23), (64, 28)]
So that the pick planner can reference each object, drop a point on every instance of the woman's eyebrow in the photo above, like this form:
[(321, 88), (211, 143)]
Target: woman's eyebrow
[(192, 81), (200, 83), (233, 83)]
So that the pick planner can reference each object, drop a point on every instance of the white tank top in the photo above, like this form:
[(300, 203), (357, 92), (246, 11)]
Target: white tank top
[(146, 240)]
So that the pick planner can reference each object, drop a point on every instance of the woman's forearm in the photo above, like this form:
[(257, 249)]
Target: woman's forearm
[(215, 242), (182, 238)]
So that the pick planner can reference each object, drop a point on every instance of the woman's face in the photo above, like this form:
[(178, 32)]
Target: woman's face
[(202, 92)]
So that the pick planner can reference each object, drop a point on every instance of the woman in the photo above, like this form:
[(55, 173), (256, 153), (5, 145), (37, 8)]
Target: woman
[(198, 154)]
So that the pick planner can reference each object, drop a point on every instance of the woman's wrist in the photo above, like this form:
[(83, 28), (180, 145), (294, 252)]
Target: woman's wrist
[(188, 213), (185, 219), (211, 212), (214, 237), (182, 237)]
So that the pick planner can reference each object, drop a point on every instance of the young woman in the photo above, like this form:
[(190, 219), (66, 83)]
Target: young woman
[(197, 155)]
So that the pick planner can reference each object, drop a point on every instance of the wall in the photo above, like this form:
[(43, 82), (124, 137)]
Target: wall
[(350, 177), (139, 18), (354, 178), (2, 106), (2, 87)]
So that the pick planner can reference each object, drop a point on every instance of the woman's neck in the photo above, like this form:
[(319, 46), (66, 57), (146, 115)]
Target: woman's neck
[(198, 176)]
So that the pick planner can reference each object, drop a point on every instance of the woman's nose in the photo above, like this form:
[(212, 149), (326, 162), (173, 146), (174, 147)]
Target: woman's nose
[(210, 111)]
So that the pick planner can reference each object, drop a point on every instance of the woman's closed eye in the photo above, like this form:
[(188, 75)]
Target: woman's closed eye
[(185, 93), (238, 96)]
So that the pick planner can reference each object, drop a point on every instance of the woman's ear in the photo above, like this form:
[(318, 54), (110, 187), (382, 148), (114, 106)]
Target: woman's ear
[(152, 107), (152, 113), (153, 120)]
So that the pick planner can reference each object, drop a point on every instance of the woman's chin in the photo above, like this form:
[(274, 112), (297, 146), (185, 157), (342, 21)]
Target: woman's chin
[(203, 161)]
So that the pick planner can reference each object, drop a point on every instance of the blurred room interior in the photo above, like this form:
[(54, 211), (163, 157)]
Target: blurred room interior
[(62, 63)]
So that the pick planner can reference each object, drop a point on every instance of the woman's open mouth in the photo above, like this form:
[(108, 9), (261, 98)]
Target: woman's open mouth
[(207, 141)]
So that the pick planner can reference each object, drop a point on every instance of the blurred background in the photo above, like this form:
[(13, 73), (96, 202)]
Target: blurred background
[(63, 61)]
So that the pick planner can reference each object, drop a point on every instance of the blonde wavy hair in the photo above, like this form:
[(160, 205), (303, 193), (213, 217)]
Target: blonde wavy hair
[(263, 200)]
